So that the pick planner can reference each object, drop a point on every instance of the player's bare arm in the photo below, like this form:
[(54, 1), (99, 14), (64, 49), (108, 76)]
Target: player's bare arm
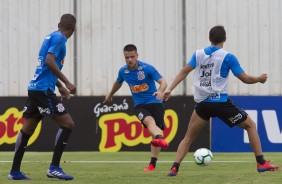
[(248, 79), (65, 94), (51, 63), (162, 87), (115, 88), (179, 77)]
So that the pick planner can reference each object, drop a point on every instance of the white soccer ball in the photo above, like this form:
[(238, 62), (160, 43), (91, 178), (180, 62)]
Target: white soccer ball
[(203, 157)]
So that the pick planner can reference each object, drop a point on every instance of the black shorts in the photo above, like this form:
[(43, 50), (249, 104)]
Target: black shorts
[(156, 110), (42, 103), (226, 111)]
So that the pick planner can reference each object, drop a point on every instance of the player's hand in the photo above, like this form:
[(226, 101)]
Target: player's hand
[(263, 78), (158, 95), (71, 88), (65, 94), (166, 94), (108, 99)]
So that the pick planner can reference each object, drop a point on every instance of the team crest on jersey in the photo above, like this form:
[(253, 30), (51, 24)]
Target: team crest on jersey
[(139, 68), (126, 71), (141, 75)]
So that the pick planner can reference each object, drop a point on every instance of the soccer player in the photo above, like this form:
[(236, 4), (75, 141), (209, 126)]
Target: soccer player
[(148, 103), (43, 101), (212, 65)]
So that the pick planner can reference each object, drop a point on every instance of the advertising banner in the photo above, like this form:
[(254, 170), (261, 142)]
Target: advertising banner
[(100, 127), (266, 112)]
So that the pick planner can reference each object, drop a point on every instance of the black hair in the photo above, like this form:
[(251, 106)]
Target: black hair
[(129, 48), (217, 34), (67, 22)]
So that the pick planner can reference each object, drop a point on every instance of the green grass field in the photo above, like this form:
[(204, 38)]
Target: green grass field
[(127, 168)]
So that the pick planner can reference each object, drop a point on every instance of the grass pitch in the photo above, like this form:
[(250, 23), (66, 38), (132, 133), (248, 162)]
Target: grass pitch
[(127, 168)]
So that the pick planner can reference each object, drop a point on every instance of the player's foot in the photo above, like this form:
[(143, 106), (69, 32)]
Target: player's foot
[(150, 168), (57, 172), (159, 142), (173, 172), (17, 175), (267, 167)]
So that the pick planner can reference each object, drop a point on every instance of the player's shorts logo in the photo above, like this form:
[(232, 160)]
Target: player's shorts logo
[(140, 116), (60, 107)]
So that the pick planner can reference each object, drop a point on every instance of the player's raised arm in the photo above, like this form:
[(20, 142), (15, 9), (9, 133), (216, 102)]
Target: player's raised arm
[(179, 77), (248, 79), (115, 88), (161, 89)]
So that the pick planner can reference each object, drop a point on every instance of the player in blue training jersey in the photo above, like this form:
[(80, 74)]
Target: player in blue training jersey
[(42, 100), (212, 65), (148, 104)]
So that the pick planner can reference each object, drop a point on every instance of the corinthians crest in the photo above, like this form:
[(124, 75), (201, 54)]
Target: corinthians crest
[(141, 75)]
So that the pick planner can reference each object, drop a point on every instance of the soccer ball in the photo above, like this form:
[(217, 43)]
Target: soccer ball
[(203, 157)]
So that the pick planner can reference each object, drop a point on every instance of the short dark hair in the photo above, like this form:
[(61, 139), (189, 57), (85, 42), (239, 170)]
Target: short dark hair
[(129, 48), (217, 34), (67, 22)]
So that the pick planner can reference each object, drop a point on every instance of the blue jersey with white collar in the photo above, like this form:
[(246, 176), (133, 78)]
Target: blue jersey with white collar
[(141, 82), (44, 79)]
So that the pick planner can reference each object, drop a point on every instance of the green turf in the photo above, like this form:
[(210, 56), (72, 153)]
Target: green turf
[(220, 171)]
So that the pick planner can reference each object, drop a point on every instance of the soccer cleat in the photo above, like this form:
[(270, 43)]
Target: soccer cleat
[(17, 175), (267, 167), (57, 172), (159, 142), (173, 172), (150, 168)]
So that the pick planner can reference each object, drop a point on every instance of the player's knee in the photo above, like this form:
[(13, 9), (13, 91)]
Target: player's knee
[(69, 125)]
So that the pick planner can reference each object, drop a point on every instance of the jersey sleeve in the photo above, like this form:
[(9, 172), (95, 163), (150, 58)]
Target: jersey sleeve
[(120, 76), (57, 43), (192, 61), (154, 73), (234, 65)]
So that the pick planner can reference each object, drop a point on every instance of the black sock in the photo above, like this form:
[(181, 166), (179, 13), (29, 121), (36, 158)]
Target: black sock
[(176, 165), (153, 161), (60, 144), (159, 136), (260, 159), (20, 147)]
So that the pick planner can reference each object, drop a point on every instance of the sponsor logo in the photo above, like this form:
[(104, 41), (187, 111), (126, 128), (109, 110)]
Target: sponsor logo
[(44, 111), (11, 122), (100, 109), (126, 71), (139, 88), (235, 118), (119, 129)]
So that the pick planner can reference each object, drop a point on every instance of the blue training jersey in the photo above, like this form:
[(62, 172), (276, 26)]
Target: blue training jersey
[(141, 82), (44, 79)]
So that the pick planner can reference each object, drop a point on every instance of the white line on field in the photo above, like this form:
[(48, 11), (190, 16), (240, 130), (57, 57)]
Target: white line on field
[(120, 161)]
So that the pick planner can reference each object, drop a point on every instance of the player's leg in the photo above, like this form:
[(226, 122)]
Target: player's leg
[(26, 132), (195, 126), (250, 127), (155, 151), (262, 164), (151, 116), (66, 125)]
